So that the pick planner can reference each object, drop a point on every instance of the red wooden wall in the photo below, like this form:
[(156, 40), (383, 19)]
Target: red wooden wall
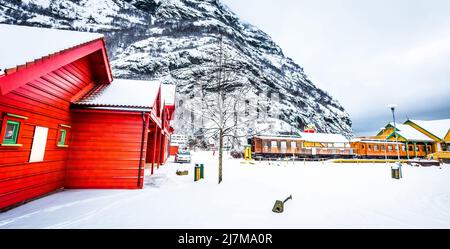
[(165, 149), (45, 101), (106, 150)]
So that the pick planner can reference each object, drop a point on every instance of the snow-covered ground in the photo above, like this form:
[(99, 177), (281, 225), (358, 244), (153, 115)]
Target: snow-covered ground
[(325, 195)]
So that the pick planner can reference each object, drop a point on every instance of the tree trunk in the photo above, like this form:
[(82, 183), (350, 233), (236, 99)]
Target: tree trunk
[(220, 154)]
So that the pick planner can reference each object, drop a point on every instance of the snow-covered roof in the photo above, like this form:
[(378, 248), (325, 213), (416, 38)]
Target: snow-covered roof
[(324, 137), (22, 44), (411, 134), (122, 94), (311, 137), (168, 94), (438, 128), (268, 137)]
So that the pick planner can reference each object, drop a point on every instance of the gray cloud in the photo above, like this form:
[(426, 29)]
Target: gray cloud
[(367, 54)]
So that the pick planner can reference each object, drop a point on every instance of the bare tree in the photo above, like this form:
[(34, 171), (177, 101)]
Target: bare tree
[(221, 106), (219, 101)]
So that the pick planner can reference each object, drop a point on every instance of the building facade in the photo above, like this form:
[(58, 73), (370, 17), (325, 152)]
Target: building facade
[(63, 123), (415, 138)]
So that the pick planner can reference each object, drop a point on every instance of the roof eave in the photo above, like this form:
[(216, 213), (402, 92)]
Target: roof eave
[(25, 73), (113, 108)]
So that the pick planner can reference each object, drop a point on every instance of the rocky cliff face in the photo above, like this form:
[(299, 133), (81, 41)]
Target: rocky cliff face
[(169, 39)]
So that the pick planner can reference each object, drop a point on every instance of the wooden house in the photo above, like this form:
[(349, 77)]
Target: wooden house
[(119, 130), (373, 147), (411, 143), (64, 121)]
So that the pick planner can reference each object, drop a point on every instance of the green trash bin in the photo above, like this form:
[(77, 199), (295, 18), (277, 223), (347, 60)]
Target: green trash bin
[(202, 171), (396, 171), (199, 172)]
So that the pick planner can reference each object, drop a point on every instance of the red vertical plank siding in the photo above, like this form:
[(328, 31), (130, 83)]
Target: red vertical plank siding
[(163, 149), (144, 140), (167, 148), (165, 137), (46, 102), (150, 157), (160, 148), (155, 144), (105, 150), (157, 147)]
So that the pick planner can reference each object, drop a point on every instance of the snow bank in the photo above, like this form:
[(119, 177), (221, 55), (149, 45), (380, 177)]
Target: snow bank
[(324, 196)]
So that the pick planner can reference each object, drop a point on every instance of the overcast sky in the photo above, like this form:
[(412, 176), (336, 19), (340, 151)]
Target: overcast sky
[(365, 53)]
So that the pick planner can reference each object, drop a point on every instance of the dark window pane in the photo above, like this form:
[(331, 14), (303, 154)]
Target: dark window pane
[(11, 132), (10, 128)]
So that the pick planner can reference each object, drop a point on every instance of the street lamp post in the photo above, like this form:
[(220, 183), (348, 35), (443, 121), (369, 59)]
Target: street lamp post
[(392, 107)]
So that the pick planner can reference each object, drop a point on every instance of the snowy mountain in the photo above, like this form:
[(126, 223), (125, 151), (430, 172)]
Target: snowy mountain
[(167, 40)]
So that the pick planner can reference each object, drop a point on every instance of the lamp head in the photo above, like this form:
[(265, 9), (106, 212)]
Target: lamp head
[(392, 106)]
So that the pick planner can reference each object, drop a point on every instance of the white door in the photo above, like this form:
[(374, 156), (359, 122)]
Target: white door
[(39, 144)]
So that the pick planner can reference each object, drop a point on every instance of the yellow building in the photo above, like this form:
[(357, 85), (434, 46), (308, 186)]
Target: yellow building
[(437, 130), (414, 142)]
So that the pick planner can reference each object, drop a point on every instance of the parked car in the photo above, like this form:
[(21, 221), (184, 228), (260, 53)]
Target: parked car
[(183, 157)]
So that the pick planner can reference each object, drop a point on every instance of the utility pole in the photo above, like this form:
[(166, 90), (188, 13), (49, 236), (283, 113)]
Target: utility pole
[(392, 107)]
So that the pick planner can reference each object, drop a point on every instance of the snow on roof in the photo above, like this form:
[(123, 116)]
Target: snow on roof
[(123, 93), (311, 137), (22, 44), (268, 137), (168, 94), (439, 128), (324, 138), (411, 134)]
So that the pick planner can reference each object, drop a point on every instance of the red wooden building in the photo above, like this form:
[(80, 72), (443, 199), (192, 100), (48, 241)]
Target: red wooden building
[(65, 123)]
